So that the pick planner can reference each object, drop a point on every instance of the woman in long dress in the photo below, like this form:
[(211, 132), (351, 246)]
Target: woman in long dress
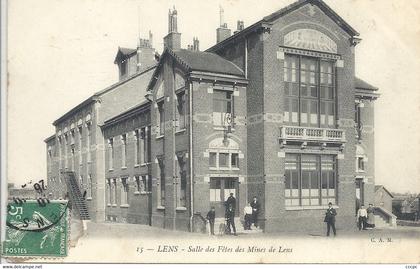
[(371, 216)]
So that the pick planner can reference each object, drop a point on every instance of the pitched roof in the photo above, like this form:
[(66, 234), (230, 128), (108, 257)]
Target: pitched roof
[(98, 94), (361, 84), (267, 20), (124, 53), (144, 105), (207, 62), (377, 187)]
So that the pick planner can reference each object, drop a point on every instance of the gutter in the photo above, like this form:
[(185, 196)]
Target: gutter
[(191, 156)]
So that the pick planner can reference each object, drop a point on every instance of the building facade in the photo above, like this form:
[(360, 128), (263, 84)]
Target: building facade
[(273, 111)]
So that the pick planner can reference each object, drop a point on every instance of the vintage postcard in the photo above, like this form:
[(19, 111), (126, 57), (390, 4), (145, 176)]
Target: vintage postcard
[(231, 131)]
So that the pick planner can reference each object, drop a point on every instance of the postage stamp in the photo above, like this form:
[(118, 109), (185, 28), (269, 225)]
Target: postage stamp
[(36, 228)]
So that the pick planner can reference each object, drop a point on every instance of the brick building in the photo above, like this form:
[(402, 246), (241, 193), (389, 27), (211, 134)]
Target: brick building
[(273, 111)]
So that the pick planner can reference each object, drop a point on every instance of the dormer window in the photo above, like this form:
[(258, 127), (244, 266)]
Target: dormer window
[(123, 68)]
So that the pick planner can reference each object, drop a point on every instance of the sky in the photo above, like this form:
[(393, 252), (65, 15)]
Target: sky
[(60, 52)]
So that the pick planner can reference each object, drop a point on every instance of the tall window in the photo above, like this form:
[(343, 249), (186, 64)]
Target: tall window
[(81, 185), (89, 186), (115, 194), (111, 153), (137, 150), (310, 180), (180, 111), (80, 144), (182, 188), (222, 107), (144, 184), (109, 192), (143, 145), (360, 164), (161, 117), (123, 150), (72, 158), (358, 120), (124, 191), (123, 68), (88, 130), (65, 151), (309, 91), (162, 180), (148, 145)]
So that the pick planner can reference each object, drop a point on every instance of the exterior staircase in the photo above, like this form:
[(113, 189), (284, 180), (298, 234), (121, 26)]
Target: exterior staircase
[(384, 218), (76, 197)]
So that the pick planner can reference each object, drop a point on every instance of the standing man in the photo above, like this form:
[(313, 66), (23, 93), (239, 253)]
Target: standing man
[(211, 215), (230, 220), (330, 219), (255, 204), (362, 217), (231, 201)]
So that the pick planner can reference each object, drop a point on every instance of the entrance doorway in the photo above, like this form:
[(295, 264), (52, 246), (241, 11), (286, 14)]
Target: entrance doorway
[(220, 189)]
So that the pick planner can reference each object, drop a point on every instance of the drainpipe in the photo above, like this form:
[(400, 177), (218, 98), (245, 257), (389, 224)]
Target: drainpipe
[(191, 157)]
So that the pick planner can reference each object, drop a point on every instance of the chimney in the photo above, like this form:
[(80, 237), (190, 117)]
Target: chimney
[(145, 53), (222, 32), (196, 44), (173, 39), (239, 26)]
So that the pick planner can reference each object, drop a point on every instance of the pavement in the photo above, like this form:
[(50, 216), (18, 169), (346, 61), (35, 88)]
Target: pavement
[(134, 243)]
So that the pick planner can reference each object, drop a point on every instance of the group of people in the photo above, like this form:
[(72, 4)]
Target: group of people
[(366, 217), (251, 211)]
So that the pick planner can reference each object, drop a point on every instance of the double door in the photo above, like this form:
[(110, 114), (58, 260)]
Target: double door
[(220, 190)]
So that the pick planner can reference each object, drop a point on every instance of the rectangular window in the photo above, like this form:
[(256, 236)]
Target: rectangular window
[(143, 145), (161, 117), (162, 181), (137, 147), (124, 150), (222, 108), (213, 159), (114, 192), (89, 186), (123, 68), (360, 164), (80, 132), (88, 141), (182, 186), (148, 145), (224, 160), (124, 191), (180, 111), (111, 153), (310, 180), (309, 89), (147, 183), (358, 121), (109, 192), (234, 160)]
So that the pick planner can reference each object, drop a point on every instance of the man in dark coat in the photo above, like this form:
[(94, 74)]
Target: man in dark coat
[(231, 201), (211, 215), (230, 220), (255, 204), (330, 219)]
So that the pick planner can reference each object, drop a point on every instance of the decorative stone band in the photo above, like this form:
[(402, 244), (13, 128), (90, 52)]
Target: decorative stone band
[(346, 123), (265, 117), (282, 50)]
